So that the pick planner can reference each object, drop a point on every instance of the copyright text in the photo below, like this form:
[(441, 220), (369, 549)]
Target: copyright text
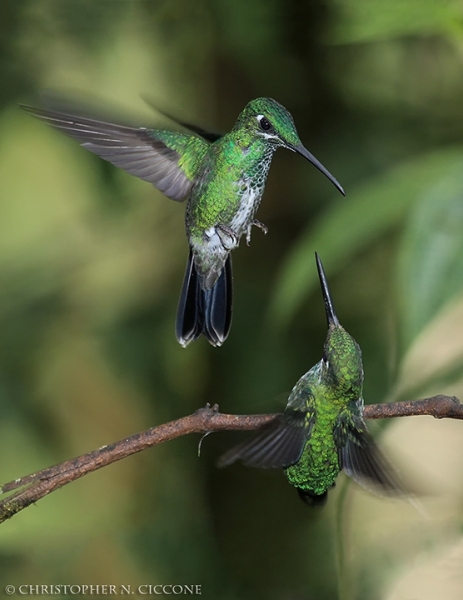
[(104, 590)]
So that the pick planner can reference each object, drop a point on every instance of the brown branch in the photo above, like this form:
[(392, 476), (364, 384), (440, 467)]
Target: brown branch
[(205, 420), (439, 407)]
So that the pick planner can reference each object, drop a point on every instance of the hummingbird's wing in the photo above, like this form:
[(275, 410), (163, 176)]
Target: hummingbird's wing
[(363, 461), (278, 445), (139, 151), (210, 136)]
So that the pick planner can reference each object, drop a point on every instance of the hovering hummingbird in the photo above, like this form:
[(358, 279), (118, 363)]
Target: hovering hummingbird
[(322, 430), (221, 177)]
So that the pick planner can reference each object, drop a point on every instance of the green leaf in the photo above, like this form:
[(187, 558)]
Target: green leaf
[(351, 225), (431, 259), (433, 362)]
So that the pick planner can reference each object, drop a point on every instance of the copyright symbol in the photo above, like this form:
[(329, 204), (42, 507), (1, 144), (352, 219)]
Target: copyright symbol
[(10, 590)]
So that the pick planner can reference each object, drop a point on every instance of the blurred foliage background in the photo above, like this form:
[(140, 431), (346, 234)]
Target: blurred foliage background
[(91, 263)]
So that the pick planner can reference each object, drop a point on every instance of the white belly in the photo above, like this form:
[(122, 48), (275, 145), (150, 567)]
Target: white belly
[(249, 203), (212, 249)]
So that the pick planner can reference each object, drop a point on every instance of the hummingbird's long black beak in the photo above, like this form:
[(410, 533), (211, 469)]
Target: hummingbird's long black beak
[(329, 308), (316, 163)]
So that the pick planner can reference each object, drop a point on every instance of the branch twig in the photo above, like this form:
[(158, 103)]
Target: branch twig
[(32, 488)]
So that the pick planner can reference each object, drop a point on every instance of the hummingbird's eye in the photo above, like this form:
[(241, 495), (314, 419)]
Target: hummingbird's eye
[(265, 124)]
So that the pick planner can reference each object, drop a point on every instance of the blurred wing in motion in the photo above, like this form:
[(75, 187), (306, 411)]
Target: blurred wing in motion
[(364, 462), (139, 151), (277, 446)]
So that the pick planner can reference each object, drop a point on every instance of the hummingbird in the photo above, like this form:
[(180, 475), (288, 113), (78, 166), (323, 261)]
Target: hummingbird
[(222, 178), (322, 430)]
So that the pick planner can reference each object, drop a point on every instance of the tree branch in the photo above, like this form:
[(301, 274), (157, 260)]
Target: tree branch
[(32, 488), (439, 407)]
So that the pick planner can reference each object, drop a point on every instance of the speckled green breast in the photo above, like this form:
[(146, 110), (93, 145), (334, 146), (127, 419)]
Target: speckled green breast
[(317, 469)]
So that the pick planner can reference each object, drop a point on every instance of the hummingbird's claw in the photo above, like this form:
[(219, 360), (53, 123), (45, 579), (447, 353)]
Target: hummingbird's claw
[(227, 236), (258, 224)]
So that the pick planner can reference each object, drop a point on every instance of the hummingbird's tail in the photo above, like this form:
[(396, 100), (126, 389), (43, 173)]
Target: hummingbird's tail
[(205, 312), (311, 499)]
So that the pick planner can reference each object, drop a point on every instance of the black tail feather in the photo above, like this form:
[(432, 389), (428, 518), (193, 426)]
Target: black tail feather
[(217, 307), (205, 312), (187, 327)]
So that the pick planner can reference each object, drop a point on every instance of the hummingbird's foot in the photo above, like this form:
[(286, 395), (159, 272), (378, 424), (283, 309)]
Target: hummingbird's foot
[(227, 236), (258, 224)]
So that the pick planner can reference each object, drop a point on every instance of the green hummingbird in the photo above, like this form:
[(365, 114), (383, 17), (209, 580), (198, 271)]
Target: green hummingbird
[(221, 177), (322, 430)]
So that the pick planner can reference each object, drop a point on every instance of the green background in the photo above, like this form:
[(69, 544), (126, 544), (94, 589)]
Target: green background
[(91, 264)]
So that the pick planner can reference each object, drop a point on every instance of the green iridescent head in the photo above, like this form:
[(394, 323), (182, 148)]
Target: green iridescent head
[(271, 121), (342, 356), (267, 119)]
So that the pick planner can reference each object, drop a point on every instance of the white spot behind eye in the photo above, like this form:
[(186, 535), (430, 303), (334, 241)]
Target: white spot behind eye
[(265, 134)]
